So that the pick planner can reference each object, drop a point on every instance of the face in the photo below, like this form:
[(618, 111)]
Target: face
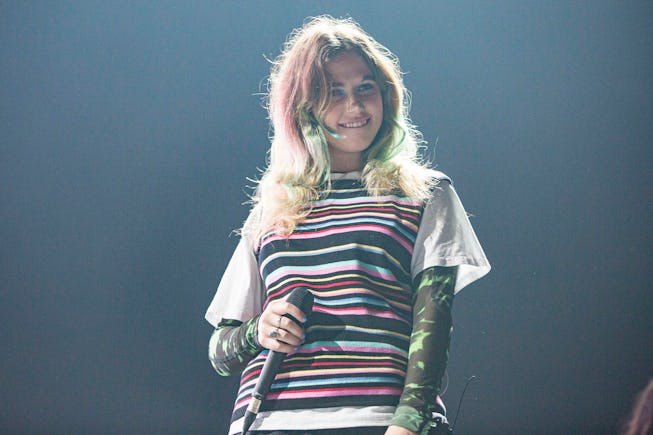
[(355, 112)]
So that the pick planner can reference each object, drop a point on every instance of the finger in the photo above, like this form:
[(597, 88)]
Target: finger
[(268, 332), (282, 329), (277, 315), (286, 307), (286, 337), (292, 332), (289, 334), (279, 346), (276, 338), (279, 340)]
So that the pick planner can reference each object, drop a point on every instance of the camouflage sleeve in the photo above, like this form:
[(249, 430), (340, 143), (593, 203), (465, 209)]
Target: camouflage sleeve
[(233, 344), (429, 348)]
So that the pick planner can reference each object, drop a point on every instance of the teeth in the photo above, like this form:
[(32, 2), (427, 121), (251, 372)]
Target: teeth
[(355, 124)]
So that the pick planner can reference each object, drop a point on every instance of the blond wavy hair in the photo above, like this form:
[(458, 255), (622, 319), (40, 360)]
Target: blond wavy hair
[(641, 419), (298, 96)]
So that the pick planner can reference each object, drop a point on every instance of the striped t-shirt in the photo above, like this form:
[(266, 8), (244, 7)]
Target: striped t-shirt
[(353, 251)]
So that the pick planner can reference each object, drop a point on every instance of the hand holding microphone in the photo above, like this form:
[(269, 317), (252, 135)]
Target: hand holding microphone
[(278, 330)]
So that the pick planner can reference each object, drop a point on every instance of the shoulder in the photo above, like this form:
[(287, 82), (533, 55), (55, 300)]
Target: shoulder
[(443, 194), (441, 187), (441, 176)]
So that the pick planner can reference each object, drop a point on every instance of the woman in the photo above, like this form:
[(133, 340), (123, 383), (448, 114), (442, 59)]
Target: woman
[(346, 209)]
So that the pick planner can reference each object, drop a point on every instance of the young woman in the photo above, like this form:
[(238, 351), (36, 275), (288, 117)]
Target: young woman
[(347, 210)]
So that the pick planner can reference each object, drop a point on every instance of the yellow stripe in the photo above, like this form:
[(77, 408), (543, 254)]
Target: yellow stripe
[(374, 202), (358, 329), (340, 358), (321, 251), (310, 220), (340, 277)]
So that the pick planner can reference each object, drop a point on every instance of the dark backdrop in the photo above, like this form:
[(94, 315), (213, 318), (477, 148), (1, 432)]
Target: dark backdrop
[(127, 131)]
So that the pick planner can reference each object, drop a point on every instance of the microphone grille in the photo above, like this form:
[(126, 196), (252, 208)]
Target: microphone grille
[(302, 298)]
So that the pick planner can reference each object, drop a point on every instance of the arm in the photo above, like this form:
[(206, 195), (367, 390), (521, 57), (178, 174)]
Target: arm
[(233, 344), (429, 349)]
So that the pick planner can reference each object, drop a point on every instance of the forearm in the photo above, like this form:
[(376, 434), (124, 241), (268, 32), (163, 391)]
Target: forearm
[(233, 344), (429, 347)]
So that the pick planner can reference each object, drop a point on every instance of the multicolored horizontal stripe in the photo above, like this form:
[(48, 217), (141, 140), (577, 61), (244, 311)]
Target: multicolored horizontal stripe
[(353, 251)]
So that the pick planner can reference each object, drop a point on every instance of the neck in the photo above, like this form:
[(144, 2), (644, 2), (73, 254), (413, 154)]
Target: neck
[(348, 164)]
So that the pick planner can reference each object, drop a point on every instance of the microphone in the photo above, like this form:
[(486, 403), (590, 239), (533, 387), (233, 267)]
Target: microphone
[(303, 299)]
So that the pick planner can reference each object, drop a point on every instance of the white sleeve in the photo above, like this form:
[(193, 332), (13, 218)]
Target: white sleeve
[(446, 238), (240, 292)]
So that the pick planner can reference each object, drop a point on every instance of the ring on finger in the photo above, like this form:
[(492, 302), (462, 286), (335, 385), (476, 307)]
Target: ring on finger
[(279, 322), (274, 333)]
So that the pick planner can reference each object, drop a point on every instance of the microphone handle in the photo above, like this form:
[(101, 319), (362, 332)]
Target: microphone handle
[(299, 297), (266, 377)]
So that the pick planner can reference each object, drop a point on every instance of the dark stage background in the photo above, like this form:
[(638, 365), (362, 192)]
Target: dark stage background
[(127, 131)]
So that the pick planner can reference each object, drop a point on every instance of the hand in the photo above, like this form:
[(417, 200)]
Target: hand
[(398, 430), (279, 333)]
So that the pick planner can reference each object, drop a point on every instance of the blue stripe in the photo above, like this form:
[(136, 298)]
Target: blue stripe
[(341, 380), (410, 235)]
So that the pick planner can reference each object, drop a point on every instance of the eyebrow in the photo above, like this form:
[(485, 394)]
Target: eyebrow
[(366, 78)]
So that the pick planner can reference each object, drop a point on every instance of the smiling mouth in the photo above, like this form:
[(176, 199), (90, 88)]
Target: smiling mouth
[(356, 124)]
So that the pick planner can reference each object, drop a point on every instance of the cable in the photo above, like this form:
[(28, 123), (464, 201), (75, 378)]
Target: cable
[(460, 402)]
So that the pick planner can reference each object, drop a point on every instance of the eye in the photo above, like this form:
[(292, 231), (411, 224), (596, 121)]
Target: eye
[(366, 88), (337, 92)]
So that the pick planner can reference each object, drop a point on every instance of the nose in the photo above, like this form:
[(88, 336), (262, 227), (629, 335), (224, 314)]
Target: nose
[(353, 103)]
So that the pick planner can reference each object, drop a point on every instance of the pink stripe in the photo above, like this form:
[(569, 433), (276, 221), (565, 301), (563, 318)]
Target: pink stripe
[(336, 372), (335, 392), (352, 364), (330, 392), (353, 310), (380, 201), (352, 228), (390, 212), (381, 350), (277, 276), (327, 392)]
